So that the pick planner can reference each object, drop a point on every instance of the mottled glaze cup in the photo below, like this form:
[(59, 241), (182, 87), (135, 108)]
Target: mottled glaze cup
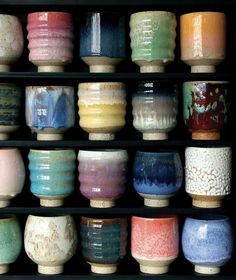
[(154, 242), (208, 242), (10, 241), (203, 40), (50, 242), (155, 109), (102, 176), (208, 175), (102, 109), (103, 243), (52, 175), (50, 111), (152, 35), (102, 40)]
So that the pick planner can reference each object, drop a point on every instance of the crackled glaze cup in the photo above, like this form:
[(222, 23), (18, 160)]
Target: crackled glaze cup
[(11, 41), (50, 111), (208, 242), (52, 175), (208, 175), (12, 174), (10, 241), (157, 176), (203, 40), (154, 242), (102, 40), (205, 106), (102, 109), (103, 242), (102, 176), (155, 108), (50, 36), (152, 35), (50, 242)]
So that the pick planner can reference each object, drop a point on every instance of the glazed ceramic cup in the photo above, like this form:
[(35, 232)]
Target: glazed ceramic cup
[(207, 242), (103, 242), (102, 109), (157, 176), (154, 243), (152, 36), (10, 107), (11, 41), (50, 242), (208, 175), (12, 174), (203, 40), (52, 175), (206, 106), (50, 111), (10, 240), (155, 108), (102, 176), (102, 40), (50, 36)]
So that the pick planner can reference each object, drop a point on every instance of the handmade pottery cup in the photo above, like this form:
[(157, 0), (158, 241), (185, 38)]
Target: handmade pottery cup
[(102, 40), (205, 106), (208, 242), (152, 36), (157, 176), (103, 242), (52, 175), (154, 242), (12, 174), (50, 110), (10, 241), (203, 40), (11, 41), (208, 175), (155, 108), (10, 107), (50, 242), (102, 176), (102, 109), (50, 36)]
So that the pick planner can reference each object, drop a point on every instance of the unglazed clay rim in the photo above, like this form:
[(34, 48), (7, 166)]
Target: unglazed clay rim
[(8, 149), (8, 15), (212, 218), (52, 86), (49, 12), (153, 13), (209, 147), (7, 217), (103, 154), (207, 82), (97, 85), (200, 13), (158, 217), (105, 221), (36, 151), (48, 217)]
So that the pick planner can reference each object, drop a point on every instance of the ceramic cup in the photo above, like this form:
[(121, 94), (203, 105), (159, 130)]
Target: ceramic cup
[(52, 175), (11, 41), (155, 108), (203, 40), (157, 176), (102, 176), (102, 109), (10, 241), (103, 242), (207, 242), (12, 174), (50, 242), (152, 35), (10, 107), (49, 110), (208, 175), (102, 40), (50, 36), (205, 106), (154, 243)]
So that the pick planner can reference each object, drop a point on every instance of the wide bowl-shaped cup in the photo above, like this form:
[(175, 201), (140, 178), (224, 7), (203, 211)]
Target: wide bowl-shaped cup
[(50, 242), (103, 242), (208, 242)]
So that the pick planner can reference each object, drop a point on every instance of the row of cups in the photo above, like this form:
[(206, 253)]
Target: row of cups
[(103, 40), (50, 110), (51, 241), (157, 176)]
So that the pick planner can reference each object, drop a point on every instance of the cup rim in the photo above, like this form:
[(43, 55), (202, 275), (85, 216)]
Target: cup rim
[(210, 218), (208, 82), (57, 150), (199, 13), (153, 12), (158, 153), (7, 217), (157, 217), (104, 153), (49, 216), (113, 220)]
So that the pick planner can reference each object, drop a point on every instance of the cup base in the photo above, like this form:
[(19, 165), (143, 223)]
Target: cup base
[(205, 135), (5, 68), (101, 64), (4, 136), (103, 269), (101, 136), (152, 69), (203, 69), (4, 203), (102, 69), (207, 203), (43, 269), (51, 202), (99, 203), (206, 269), (50, 68), (155, 136), (49, 137), (156, 202), (4, 268), (154, 269)]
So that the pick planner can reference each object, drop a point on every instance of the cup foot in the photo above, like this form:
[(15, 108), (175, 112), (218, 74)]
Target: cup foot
[(203, 69), (4, 203), (155, 136), (102, 69), (156, 202), (205, 135), (207, 203), (101, 136), (50, 68), (4, 268), (51, 202), (207, 269), (49, 137), (5, 68), (99, 203), (43, 269), (103, 269), (154, 269), (152, 69), (4, 136)]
